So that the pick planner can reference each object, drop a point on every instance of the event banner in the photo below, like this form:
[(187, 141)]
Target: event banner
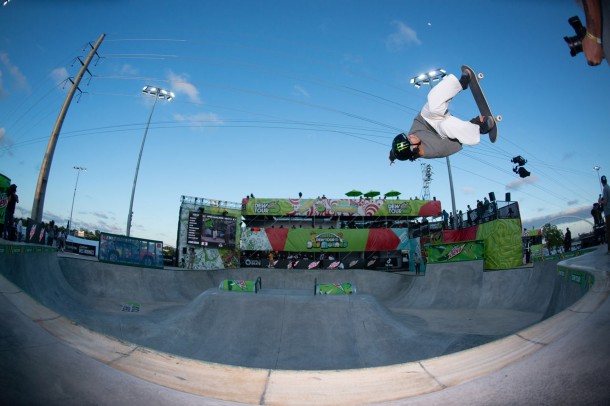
[(455, 252), (325, 240), (340, 207)]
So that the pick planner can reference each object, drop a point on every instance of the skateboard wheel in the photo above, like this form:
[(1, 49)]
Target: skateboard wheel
[(481, 76), (498, 118)]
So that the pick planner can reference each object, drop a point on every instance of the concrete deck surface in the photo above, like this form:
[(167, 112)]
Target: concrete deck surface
[(397, 341)]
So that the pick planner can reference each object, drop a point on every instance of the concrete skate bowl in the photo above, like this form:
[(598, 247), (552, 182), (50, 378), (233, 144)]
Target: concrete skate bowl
[(398, 336)]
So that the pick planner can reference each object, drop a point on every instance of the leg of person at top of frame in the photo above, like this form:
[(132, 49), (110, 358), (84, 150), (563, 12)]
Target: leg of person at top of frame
[(436, 113)]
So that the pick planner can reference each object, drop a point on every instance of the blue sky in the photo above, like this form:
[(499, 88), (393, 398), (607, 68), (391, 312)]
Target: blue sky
[(280, 97)]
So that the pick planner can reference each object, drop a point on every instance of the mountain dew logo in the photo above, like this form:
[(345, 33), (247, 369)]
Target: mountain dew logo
[(456, 251), (32, 232)]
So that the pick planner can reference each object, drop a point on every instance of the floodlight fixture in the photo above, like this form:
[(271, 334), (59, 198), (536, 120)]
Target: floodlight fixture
[(428, 78), (157, 92), (597, 168)]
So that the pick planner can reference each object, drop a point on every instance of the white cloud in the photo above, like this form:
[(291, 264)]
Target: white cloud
[(560, 217), (468, 190), (200, 119), (5, 142), (17, 79), (180, 85), (301, 91), (517, 184), (128, 69), (403, 36), (2, 91), (59, 75)]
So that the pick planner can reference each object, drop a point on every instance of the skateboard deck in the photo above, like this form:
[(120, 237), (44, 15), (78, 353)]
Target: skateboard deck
[(479, 98)]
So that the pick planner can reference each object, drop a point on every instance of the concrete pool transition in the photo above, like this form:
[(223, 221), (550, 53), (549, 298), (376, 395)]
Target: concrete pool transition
[(76, 331)]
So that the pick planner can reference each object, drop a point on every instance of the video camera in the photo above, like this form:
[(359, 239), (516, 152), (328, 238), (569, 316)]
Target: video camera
[(521, 171), (519, 160), (575, 42)]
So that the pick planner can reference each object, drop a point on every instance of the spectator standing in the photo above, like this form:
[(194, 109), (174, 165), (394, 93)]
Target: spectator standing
[(61, 240), (417, 264), (605, 201), (567, 241), (9, 214), (51, 233)]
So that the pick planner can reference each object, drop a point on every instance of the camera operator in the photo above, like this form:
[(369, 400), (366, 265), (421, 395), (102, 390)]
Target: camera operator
[(597, 36)]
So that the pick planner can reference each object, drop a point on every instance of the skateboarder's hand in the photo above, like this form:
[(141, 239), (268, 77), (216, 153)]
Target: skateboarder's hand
[(593, 51)]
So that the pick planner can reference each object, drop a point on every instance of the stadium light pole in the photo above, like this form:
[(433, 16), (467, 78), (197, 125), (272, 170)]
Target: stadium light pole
[(79, 169), (157, 93), (431, 78)]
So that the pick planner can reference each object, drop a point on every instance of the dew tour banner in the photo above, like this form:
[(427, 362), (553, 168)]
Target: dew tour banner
[(503, 244), (455, 252), (325, 240), (340, 207)]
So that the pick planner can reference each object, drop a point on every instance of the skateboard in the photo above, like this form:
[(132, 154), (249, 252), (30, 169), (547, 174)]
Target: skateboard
[(479, 98)]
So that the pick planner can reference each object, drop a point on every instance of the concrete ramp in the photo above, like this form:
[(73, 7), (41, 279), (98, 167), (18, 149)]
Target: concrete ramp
[(393, 319), (47, 358)]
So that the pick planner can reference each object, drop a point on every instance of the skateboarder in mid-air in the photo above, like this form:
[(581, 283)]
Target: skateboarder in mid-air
[(435, 133)]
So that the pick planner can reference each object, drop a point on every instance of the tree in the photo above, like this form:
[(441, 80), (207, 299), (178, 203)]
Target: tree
[(169, 251), (553, 236)]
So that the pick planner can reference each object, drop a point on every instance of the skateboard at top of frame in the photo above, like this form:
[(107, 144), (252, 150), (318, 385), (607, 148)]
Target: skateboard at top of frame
[(479, 98)]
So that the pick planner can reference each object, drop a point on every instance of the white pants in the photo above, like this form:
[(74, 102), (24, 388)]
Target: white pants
[(436, 113)]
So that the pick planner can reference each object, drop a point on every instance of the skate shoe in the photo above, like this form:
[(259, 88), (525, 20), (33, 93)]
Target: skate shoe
[(486, 125), (465, 79)]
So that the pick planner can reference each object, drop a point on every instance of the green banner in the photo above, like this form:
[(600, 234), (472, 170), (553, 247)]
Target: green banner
[(345, 288), (4, 185), (238, 285), (316, 240), (455, 251), (503, 244)]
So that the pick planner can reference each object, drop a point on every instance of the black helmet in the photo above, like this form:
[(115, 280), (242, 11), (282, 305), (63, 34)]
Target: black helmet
[(401, 149)]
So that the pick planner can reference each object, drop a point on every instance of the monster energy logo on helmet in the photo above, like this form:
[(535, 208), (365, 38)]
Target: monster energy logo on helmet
[(401, 148)]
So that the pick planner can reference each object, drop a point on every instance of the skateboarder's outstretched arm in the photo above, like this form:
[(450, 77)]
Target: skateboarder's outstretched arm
[(592, 43)]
